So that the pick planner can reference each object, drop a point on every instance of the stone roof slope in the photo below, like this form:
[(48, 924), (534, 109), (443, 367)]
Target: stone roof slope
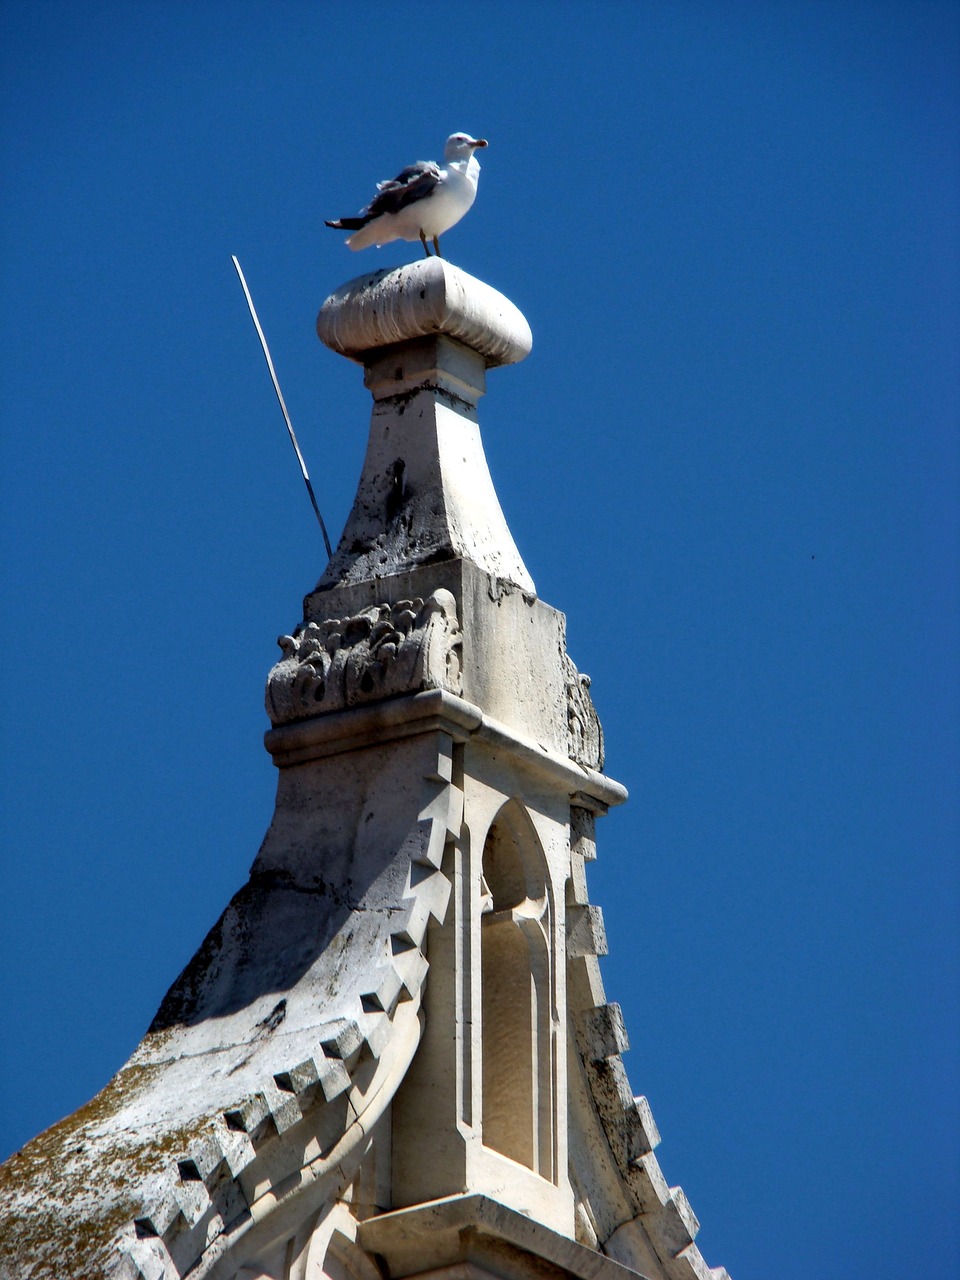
[(302, 1002)]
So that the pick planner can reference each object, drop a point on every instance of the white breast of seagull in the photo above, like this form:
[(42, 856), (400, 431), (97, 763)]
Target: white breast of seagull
[(442, 208)]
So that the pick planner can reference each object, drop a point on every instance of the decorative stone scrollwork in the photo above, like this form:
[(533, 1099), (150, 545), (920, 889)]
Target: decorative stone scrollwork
[(382, 651), (584, 734)]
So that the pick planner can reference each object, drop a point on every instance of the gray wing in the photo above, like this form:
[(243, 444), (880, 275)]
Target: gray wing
[(412, 184)]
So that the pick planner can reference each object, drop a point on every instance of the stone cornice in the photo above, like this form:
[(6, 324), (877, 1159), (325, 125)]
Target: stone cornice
[(423, 712), (444, 1232)]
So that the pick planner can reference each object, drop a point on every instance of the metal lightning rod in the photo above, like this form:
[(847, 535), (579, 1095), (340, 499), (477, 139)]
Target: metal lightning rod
[(283, 407)]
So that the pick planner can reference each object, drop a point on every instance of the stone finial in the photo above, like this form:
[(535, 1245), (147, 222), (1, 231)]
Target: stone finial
[(419, 300), (426, 333)]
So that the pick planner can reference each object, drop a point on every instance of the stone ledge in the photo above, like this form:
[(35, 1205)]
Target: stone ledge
[(445, 1232), (423, 298), (424, 712)]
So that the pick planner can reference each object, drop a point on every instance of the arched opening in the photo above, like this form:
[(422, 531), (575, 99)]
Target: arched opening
[(517, 1040)]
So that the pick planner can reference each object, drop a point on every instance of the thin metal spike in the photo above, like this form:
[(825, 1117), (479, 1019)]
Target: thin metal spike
[(283, 407)]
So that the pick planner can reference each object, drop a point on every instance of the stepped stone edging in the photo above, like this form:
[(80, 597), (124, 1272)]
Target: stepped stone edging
[(191, 1189), (628, 1123)]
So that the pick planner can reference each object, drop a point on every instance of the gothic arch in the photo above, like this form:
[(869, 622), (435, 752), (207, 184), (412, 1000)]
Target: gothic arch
[(518, 1067)]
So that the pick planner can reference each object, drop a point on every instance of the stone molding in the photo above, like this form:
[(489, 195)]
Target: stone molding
[(422, 712), (382, 651), (446, 1232)]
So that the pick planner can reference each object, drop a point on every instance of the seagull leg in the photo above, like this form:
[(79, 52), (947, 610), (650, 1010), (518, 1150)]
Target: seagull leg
[(436, 245), (423, 241)]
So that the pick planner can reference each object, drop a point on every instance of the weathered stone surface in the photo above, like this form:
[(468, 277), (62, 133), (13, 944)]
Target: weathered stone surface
[(468, 1229), (239, 1040), (384, 650), (423, 298), (586, 935), (511, 648), (601, 1032), (584, 733), (425, 494)]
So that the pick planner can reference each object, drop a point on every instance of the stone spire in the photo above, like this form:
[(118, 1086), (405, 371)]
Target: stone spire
[(392, 1054)]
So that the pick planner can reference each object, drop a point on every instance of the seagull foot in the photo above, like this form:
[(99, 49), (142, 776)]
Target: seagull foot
[(436, 246), (423, 241)]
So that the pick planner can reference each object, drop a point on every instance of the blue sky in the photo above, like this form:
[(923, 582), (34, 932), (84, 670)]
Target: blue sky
[(731, 460)]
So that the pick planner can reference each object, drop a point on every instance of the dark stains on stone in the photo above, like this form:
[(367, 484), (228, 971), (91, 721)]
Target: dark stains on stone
[(274, 1017), (437, 556), (395, 490), (397, 402), (263, 942)]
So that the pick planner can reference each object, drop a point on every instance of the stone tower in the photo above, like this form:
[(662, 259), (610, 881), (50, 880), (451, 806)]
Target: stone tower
[(392, 1055)]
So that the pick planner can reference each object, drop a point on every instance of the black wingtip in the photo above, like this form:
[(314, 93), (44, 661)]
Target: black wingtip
[(348, 224)]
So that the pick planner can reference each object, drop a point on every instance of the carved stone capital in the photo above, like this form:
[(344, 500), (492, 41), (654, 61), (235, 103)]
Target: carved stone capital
[(384, 650)]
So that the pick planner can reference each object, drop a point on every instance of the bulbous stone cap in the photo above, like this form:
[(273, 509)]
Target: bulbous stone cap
[(423, 298)]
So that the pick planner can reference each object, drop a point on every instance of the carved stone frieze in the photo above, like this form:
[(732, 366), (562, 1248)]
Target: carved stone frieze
[(584, 734), (384, 650)]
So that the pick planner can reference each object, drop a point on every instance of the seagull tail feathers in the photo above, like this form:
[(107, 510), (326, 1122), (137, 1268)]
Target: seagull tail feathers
[(346, 224), (372, 232)]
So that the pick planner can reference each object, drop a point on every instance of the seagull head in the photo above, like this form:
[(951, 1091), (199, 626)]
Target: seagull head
[(460, 146)]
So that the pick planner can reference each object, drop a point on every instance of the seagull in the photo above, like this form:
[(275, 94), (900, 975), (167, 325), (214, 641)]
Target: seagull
[(422, 201)]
